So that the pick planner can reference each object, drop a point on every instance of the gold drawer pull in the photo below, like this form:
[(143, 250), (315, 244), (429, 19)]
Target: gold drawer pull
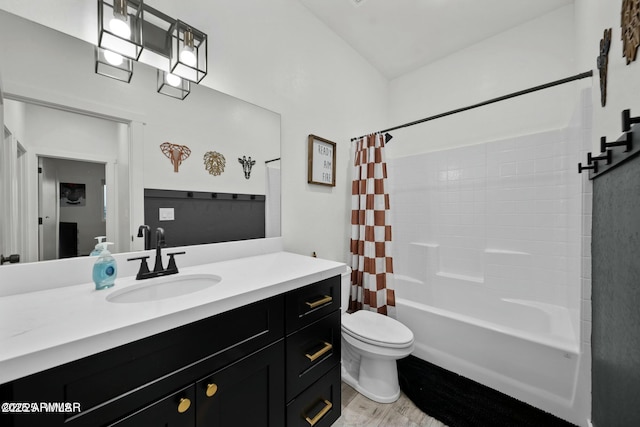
[(321, 414), (184, 405), (327, 347), (211, 390), (320, 302)]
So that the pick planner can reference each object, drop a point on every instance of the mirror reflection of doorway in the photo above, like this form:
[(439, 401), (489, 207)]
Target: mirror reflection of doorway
[(71, 207)]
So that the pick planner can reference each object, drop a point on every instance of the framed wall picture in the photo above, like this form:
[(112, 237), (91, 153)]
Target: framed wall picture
[(322, 161)]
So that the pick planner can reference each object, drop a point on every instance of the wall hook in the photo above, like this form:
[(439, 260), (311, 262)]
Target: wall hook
[(594, 167), (606, 156), (627, 120), (625, 140)]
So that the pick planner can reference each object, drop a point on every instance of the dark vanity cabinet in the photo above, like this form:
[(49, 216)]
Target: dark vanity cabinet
[(271, 363)]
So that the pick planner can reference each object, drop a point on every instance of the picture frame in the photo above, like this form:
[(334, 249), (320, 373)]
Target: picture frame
[(72, 194), (322, 161)]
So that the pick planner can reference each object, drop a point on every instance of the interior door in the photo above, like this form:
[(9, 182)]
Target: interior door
[(48, 209)]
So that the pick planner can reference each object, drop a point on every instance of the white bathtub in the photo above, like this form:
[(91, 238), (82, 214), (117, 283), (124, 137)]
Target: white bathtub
[(525, 349)]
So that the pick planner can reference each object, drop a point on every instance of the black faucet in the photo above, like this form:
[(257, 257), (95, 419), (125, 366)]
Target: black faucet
[(158, 269), (144, 231)]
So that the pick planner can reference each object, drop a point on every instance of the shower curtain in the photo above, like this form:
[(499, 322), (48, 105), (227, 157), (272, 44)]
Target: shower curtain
[(272, 205), (370, 245)]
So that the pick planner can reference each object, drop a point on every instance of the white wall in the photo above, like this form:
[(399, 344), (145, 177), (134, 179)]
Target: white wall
[(592, 18), (275, 54), (62, 134), (278, 55), (529, 55)]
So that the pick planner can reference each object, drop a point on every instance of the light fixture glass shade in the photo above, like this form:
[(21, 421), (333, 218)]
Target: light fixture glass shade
[(172, 85), (188, 52), (120, 27), (113, 65)]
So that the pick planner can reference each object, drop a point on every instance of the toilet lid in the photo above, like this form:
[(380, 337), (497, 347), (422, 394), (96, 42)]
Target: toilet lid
[(377, 329)]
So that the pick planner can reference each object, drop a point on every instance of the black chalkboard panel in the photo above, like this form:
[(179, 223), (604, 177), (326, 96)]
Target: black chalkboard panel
[(202, 217)]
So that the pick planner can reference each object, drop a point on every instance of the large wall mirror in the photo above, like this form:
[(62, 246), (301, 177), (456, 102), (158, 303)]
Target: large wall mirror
[(80, 151)]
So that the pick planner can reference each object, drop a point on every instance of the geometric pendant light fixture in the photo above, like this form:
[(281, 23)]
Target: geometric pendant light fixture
[(131, 31), (172, 85), (188, 52), (120, 27), (113, 65)]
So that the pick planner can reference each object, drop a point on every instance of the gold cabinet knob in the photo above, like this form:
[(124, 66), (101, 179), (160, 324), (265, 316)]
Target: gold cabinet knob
[(211, 389), (184, 405)]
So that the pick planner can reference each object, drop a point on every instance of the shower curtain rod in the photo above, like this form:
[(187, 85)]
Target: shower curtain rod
[(490, 101)]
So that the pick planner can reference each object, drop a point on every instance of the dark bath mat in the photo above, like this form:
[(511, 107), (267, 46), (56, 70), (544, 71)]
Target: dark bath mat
[(460, 402)]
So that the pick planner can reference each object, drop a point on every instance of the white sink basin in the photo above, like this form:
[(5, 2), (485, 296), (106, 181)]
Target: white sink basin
[(163, 288)]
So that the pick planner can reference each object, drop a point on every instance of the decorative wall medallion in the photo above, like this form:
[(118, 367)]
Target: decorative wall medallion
[(603, 62), (246, 165), (176, 153), (214, 162), (630, 25)]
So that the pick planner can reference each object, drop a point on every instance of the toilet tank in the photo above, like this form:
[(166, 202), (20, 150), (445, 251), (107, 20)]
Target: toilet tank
[(345, 287)]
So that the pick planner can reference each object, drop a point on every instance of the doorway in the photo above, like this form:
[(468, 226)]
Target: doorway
[(71, 207)]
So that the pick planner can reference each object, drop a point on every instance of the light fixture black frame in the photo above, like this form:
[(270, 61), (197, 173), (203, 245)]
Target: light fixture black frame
[(130, 48), (158, 39), (165, 88), (122, 73)]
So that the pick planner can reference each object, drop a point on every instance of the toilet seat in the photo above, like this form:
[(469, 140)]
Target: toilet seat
[(377, 329)]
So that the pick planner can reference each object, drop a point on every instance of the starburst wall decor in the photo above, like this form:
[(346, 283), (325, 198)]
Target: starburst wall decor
[(630, 25)]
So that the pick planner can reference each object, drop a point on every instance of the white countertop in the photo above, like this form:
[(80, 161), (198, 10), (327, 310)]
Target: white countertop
[(43, 329)]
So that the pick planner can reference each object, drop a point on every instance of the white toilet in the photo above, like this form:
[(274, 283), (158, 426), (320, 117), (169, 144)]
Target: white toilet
[(371, 344)]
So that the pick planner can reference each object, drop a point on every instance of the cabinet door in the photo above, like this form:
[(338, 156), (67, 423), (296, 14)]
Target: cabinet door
[(250, 392), (176, 410)]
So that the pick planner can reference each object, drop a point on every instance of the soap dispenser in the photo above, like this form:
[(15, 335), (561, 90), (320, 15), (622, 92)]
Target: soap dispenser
[(96, 251), (105, 269)]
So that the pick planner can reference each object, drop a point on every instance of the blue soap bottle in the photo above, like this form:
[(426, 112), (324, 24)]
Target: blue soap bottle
[(105, 269)]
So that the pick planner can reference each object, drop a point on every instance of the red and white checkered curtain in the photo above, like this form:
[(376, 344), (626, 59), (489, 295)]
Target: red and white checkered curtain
[(371, 261)]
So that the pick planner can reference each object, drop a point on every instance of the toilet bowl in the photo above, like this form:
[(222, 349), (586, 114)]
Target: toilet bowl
[(371, 344)]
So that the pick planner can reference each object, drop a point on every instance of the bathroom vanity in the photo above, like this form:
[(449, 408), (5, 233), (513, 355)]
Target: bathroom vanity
[(259, 348)]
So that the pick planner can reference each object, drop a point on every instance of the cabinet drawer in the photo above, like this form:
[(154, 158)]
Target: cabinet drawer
[(176, 410), (308, 304), (319, 405), (311, 352)]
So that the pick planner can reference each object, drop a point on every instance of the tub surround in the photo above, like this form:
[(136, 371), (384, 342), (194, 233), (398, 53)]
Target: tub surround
[(47, 327)]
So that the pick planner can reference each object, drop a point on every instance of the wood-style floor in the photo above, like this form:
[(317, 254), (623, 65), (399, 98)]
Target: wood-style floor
[(357, 411)]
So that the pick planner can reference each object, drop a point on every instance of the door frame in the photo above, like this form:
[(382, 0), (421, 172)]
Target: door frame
[(112, 219), (120, 228)]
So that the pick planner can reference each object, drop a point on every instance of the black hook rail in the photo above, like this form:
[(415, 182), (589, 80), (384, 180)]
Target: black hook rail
[(609, 152)]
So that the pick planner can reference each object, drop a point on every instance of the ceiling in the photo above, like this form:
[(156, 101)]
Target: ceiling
[(399, 36), (395, 36)]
